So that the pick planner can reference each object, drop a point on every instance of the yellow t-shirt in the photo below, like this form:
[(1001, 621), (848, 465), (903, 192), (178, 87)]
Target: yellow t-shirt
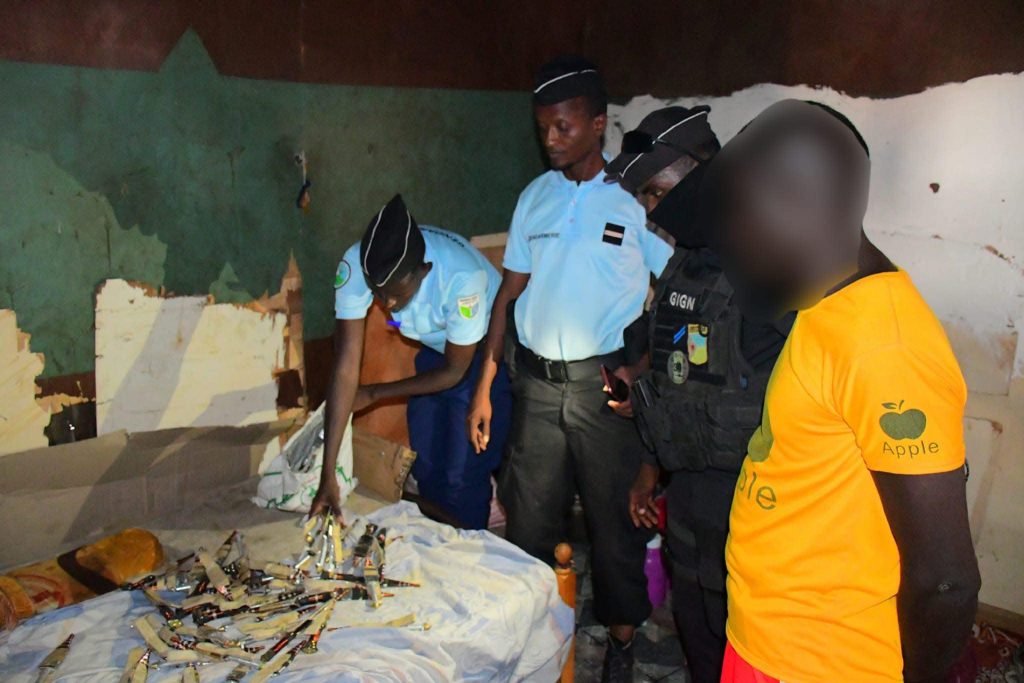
[(866, 382)]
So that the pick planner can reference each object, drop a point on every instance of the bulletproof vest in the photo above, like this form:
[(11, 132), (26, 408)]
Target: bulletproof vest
[(701, 400)]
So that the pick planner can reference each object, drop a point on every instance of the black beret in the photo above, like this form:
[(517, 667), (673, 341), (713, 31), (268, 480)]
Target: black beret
[(566, 77), (392, 246), (661, 138)]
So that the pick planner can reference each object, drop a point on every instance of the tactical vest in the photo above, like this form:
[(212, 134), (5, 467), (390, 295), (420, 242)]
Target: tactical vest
[(701, 400)]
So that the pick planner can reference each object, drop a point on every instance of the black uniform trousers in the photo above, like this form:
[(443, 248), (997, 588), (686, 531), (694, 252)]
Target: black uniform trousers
[(698, 505), (565, 438)]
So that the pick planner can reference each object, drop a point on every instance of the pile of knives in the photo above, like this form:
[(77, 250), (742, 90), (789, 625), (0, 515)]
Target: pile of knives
[(214, 607)]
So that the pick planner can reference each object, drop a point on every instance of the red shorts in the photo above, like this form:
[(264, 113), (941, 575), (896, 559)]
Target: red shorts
[(735, 669)]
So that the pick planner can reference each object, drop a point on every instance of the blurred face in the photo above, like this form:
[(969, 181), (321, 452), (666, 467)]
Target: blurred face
[(778, 240), (765, 280), (394, 296), (791, 191), (569, 132), (755, 234)]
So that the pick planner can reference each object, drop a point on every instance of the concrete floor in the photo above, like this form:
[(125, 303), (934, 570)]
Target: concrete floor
[(659, 655)]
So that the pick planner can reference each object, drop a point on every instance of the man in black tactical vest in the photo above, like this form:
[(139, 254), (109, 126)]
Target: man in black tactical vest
[(700, 400)]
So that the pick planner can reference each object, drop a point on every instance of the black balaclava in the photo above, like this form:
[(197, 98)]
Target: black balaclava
[(677, 213), (663, 137)]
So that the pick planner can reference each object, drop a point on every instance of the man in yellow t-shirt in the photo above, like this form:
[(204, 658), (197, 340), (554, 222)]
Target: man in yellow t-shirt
[(850, 556)]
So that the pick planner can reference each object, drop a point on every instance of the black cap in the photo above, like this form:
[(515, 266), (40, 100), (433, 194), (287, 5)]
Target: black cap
[(566, 77), (662, 138), (393, 245)]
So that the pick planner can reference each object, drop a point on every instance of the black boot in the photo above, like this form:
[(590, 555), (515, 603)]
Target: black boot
[(618, 661)]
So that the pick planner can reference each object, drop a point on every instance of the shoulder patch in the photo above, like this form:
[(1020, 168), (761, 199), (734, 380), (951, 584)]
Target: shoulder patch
[(343, 274), (469, 306)]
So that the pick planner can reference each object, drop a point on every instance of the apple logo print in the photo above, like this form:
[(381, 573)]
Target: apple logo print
[(906, 425), (760, 444)]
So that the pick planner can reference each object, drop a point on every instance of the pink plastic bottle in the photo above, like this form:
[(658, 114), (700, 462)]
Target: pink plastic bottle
[(654, 568)]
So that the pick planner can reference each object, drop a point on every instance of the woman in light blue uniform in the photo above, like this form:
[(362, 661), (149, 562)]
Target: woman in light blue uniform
[(438, 290)]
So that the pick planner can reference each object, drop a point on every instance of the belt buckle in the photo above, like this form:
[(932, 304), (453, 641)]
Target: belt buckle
[(555, 371)]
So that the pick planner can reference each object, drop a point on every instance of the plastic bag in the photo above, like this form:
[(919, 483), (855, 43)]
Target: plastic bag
[(291, 479)]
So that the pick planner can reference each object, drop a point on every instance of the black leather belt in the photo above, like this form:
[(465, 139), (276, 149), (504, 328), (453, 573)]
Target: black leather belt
[(561, 371)]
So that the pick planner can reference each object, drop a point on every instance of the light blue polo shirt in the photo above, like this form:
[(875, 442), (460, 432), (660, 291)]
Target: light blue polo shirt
[(452, 304), (589, 255)]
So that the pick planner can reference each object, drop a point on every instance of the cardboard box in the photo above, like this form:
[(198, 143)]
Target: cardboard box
[(380, 465), (54, 499)]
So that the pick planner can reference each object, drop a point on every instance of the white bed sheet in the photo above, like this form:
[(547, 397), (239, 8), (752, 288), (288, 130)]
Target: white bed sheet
[(494, 612)]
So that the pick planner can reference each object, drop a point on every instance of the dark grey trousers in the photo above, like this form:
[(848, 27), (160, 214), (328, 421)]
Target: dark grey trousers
[(564, 439), (698, 523)]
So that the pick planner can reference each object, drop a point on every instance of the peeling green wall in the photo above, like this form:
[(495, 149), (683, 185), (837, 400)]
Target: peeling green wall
[(186, 178)]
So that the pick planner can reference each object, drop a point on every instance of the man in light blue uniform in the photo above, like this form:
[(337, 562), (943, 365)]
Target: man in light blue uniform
[(580, 260), (589, 257), (438, 290)]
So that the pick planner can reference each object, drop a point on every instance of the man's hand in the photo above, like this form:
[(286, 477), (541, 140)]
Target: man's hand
[(348, 352), (478, 421), (327, 498), (641, 497), (939, 580), (621, 408), (365, 396)]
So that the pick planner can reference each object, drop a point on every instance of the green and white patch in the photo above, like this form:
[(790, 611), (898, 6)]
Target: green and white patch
[(469, 306), (343, 274), (678, 367)]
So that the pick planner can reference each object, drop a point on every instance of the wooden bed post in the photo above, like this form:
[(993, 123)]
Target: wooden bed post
[(567, 590)]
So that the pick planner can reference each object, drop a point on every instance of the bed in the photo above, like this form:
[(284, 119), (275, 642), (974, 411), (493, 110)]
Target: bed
[(494, 614)]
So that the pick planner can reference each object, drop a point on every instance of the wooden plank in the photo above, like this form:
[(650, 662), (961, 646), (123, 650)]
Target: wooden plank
[(22, 419), (289, 302), (1001, 618), (492, 246), (165, 362)]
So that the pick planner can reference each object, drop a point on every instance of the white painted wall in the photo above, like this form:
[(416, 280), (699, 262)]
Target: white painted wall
[(963, 246)]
